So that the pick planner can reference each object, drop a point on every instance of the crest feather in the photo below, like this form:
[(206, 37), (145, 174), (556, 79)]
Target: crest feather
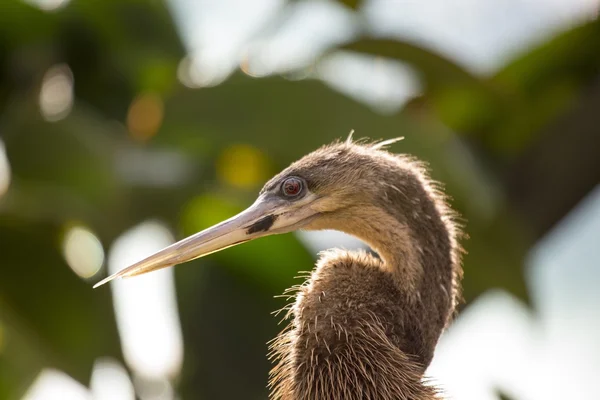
[(385, 143), (349, 140)]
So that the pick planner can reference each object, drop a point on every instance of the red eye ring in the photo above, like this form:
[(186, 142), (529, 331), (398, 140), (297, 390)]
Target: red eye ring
[(291, 187)]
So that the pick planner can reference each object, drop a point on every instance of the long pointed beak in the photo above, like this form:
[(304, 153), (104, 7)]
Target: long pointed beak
[(264, 217)]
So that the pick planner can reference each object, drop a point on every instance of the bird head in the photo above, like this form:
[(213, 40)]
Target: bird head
[(316, 192)]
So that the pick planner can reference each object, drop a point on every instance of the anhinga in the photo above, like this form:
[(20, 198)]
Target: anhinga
[(363, 327)]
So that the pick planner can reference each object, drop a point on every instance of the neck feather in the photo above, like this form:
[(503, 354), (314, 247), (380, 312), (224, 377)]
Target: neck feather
[(393, 241)]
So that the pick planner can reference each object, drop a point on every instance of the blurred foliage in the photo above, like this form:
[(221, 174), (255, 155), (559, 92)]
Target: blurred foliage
[(503, 396), (101, 166)]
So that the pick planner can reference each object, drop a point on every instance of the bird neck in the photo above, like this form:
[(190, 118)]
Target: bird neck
[(417, 248), (358, 331), (392, 240)]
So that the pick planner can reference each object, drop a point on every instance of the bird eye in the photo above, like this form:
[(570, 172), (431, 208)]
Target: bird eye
[(291, 187)]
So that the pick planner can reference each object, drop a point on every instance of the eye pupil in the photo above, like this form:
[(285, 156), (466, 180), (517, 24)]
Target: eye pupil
[(292, 186)]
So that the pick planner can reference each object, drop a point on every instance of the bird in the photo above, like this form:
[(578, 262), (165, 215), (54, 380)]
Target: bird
[(363, 325)]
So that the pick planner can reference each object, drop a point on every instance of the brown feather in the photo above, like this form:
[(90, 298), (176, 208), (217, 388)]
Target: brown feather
[(366, 327)]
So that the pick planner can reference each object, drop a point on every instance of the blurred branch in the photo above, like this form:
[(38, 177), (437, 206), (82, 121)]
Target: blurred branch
[(436, 69), (459, 99)]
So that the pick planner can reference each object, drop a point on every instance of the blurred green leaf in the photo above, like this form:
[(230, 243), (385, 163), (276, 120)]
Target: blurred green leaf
[(461, 100), (569, 54), (353, 4), (503, 396), (546, 81), (68, 324)]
